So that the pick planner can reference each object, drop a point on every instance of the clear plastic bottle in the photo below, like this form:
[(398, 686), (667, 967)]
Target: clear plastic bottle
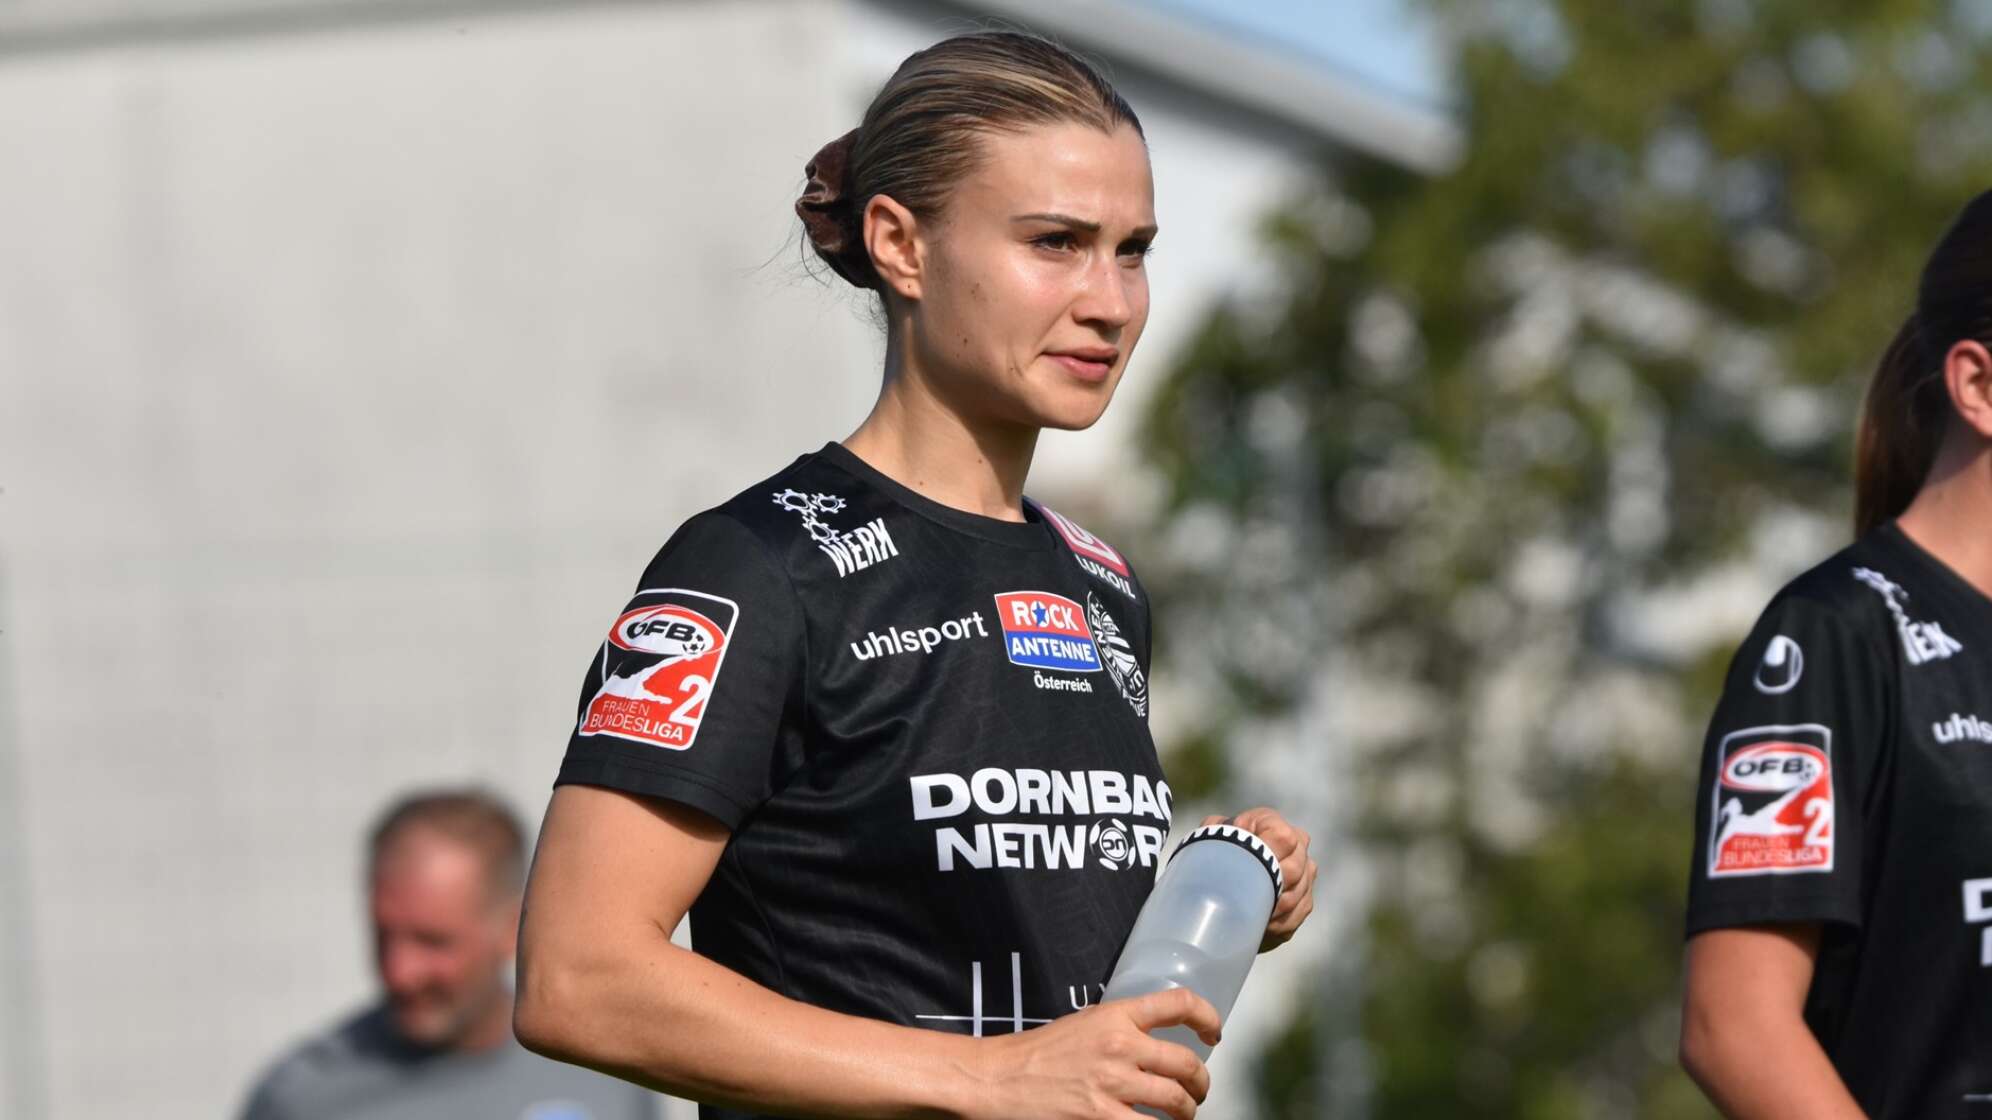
[(1202, 925)]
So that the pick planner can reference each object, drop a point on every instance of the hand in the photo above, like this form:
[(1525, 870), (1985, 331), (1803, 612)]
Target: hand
[(1098, 1063), (1289, 842)]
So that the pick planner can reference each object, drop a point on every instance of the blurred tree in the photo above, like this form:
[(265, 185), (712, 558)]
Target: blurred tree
[(1469, 470)]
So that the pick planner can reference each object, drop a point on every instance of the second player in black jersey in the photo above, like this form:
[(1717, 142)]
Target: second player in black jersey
[(880, 722), (1840, 908)]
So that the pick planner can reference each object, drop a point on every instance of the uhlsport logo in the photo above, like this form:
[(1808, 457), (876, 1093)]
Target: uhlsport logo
[(1921, 641), (658, 668), (1960, 727), (1118, 655), (1772, 812), (851, 551), (1782, 664), (894, 640), (1095, 556), (1046, 631)]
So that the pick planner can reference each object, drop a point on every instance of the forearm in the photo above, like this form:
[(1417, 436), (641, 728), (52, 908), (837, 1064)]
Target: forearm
[(670, 1019), (1767, 1066)]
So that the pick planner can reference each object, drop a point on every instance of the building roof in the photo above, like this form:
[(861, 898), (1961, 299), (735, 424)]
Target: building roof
[(1308, 95), (1287, 87)]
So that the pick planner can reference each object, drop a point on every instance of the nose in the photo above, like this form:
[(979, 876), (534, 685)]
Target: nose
[(1105, 300), (400, 966)]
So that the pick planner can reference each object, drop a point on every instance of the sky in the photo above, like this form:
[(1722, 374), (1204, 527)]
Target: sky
[(1381, 43)]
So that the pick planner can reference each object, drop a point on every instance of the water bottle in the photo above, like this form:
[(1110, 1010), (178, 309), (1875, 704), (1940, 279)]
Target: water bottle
[(1202, 925)]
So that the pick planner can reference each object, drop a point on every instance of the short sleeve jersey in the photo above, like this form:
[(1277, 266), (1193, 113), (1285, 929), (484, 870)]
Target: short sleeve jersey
[(1847, 780), (927, 731)]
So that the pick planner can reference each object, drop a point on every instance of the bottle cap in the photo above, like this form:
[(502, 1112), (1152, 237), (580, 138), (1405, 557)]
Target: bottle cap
[(1233, 834)]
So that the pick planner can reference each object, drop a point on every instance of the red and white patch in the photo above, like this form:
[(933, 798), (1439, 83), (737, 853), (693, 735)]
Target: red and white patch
[(1083, 542), (1773, 807), (659, 667)]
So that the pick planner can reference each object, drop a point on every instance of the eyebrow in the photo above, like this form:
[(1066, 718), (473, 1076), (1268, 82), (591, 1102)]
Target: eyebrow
[(1078, 223)]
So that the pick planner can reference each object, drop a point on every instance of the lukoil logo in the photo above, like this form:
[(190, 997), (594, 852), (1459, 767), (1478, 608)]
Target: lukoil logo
[(922, 640), (1046, 631), (1096, 557), (1113, 843)]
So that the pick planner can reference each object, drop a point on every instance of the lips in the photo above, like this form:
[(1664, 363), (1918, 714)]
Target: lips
[(1089, 363)]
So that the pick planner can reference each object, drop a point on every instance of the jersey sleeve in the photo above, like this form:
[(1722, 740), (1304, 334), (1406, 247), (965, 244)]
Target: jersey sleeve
[(686, 698), (1786, 774)]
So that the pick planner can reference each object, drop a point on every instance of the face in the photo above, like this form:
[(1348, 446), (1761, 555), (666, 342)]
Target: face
[(441, 942), (1032, 286)]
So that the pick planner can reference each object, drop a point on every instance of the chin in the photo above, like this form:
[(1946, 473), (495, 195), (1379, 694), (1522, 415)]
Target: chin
[(431, 1028), (1070, 410)]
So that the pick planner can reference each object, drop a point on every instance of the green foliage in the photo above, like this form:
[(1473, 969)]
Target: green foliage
[(1481, 423)]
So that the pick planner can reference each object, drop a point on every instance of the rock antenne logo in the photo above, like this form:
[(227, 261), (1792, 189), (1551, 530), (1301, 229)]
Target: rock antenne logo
[(1046, 631)]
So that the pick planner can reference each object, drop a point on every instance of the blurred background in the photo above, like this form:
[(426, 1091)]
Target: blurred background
[(356, 354)]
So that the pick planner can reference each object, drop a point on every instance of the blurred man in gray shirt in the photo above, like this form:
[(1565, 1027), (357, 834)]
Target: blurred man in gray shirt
[(445, 873)]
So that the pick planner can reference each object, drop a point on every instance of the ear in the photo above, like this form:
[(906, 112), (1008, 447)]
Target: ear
[(1968, 378), (892, 234)]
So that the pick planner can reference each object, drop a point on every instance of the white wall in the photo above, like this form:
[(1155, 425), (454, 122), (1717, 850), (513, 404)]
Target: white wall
[(348, 377)]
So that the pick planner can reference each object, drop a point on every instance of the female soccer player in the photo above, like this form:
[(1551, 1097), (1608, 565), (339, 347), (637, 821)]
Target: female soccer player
[(1840, 911), (880, 722)]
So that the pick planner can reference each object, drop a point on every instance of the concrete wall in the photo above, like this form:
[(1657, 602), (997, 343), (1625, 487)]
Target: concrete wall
[(350, 370)]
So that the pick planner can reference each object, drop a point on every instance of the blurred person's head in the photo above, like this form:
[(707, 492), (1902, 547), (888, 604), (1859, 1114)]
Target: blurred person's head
[(445, 870), (997, 197), (1929, 408)]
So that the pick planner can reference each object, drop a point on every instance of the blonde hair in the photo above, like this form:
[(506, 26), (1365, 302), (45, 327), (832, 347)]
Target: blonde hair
[(922, 133), (471, 817)]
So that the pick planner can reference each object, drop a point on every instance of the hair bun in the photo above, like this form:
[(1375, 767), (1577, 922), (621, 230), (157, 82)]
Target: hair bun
[(825, 210)]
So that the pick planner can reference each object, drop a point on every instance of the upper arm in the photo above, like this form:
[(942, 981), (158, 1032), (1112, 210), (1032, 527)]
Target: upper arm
[(611, 878), (611, 863), (1731, 972)]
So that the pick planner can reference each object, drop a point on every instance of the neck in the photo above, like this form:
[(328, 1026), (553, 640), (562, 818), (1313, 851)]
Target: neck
[(920, 440), (489, 1029), (1951, 517)]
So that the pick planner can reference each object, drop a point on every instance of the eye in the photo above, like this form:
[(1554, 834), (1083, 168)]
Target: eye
[(1138, 250), (1060, 241)]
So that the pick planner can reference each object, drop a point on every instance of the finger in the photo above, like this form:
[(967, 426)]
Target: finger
[(1174, 1006), (1178, 1063), (1148, 1090), (1298, 899), (1267, 824), (1256, 819)]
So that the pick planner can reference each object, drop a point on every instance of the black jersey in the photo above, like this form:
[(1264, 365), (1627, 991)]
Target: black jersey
[(927, 730), (1847, 780)]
